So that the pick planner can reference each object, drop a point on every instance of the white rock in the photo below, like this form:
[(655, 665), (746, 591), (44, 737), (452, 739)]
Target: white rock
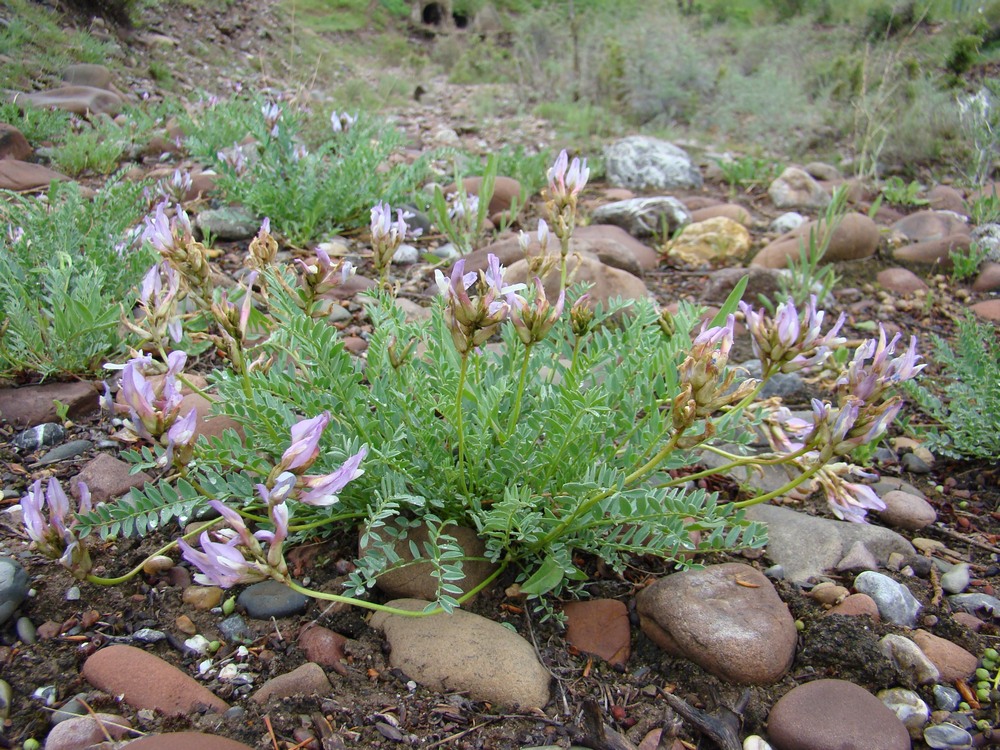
[(907, 657)]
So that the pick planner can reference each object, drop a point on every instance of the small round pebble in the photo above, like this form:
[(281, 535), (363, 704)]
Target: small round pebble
[(40, 436), (956, 580), (268, 599), (946, 698), (947, 737), (909, 707), (26, 631), (73, 594)]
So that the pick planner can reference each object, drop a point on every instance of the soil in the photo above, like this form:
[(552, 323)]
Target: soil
[(373, 706)]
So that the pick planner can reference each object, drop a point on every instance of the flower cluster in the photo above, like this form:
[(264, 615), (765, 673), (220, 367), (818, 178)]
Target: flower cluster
[(387, 236), (176, 187), (56, 538), (174, 239), (790, 342), (533, 320), (158, 297), (321, 277), (566, 180), (472, 320), (152, 406)]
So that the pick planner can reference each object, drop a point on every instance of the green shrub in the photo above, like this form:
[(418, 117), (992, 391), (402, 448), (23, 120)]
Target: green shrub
[(38, 124), (964, 54), (96, 148)]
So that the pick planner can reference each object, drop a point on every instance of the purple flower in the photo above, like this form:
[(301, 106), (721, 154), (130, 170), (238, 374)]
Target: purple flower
[(305, 443), (272, 113), (31, 509), (181, 437), (868, 380), (342, 122), (533, 322), (323, 489), (275, 539), (235, 521), (221, 564), (791, 341), (157, 231), (566, 179), (848, 501), (282, 488), (56, 538)]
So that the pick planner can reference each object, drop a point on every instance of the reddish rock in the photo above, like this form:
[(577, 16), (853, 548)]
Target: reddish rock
[(988, 309), (725, 211), (924, 226), (85, 731), (208, 424), (81, 100), (309, 679), (952, 661), (323, 646), (854, 238), (988, 279), (600, 627), (763, 282), (698, 202), (202, 184), (146, 681), (107, 477), (606, 282), (21, 176), (13, 144), (900, 280), (618, 194), (185, 741), (936, 251), (35, 404), (506, 191), (834, 715), (856, 605), (355, 344), (946, 198), (972, 622)]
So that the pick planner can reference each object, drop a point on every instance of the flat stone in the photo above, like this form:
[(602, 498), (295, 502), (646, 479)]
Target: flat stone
[(933, 252), (987, 309), (953, 661), (796, 188), (925, 225), (80, 100), (13, 587), (63, 452), (730, 211), (464, 652), (900, 280), (988, 279), (208, 424), (13, 144), (644, 163), (946, 198), (807, 546), (84, 731), (506, 190), (855, 237), (24, 176), (600, 627), (309, 679), (228, 223), (909, 659), (108, 477), (605, 282), (185, 741), (35, 404), (87, 74), (715, 240), (905, 510), (146, 681), (834, 715), (947, 737), (39, 436), (268, 599), (726, 618)]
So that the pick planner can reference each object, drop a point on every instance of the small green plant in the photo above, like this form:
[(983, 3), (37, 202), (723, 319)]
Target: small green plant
[(68, 266), (984, 209), (460, 216), (96, 148), (900, 193), (964, 399), (965, 264), (37, 124), (963, 54), (980, 120), (745, 172)]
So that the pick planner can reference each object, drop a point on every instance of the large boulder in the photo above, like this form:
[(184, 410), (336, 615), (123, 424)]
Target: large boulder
[(645, 163)]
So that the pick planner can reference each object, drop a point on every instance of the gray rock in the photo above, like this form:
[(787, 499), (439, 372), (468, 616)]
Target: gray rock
[(41, 436), (956, 580), (447, 252), (907, 657), (782, 384), (6, 696), (787, 222), (464, 652), (946, 698), (908, 707), (948, 736), (976, 604), (234, 629), (73, 594), (807, 546), (988, 237), (795, 188), (858, 557), (906, 510), (914, 464), (72, 449), (13, 587), (71, 709), (268, 599), (895, 602), (406, 255), (26, 631), (658, 216), (228, 223), (646, 163)]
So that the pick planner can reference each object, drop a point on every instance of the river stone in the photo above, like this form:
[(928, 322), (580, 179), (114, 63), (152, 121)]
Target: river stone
[(988, 309), (946, 198), (22, 176), (605, 282), (922, 226), (711, 241), (107, 477), (644, 163), (947, 737), (13, 587), (72, 449), (935, 252), (13, 144), (762, 282), (808, 546), (506, 191), (908, 707), (228, 223), (956, 579), (834, 715), (658, 216), (268, 599), (144, 680), (309, 679), (40, 436), (464, 652), (895, 602), (85, 731), (854, 237), (795, 188), (34, 405), (988, 279), (185, 741), (726, 618), (87, 74), (900, 280), (952, 661), (731, 211), (908, 659)]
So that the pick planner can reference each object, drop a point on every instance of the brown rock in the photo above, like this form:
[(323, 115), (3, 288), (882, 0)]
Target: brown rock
[(186, 625), (904, 510), (711, 241), (972, 622), (107, 477), (618, 194), (85, 731), (935, 251), (506, 191), (923, 226), (834, 715), (202, 597), (856, 605), (988, 309), (13, 144), (723, 210), (88, 74), (185, 741), (605, 282), (81, 100), (146, 681), (600, 627), (988, 279), (900, 280), (698, 202), (726, 618), (854, 238), (763, 281), (35, 404), (309, 679), (202, 184), (952, 661), (323, 646), (208, 424), (22, 176), (823, 171), (946, 198)]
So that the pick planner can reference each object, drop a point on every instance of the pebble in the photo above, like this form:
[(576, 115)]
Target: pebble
[(71, 709), (41, 436), (85, 731), (908, 707), (941, 736), (187, 741), (946, 698), (72, 449), (406, 255), (148, 635), (6, 696), (309, 679), (975, 604), (895, 602), (13, 587), (323, 646), (907, 657), (956, 580), (914, 464), (186, 625), (447, 252), (953, 662), (268, 599), (234, 629), (73, 594), (906, 510), (26, 631), (787, 222), (202, 597)]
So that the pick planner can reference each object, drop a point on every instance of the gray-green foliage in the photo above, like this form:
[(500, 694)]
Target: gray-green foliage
[(37, 124), (96, 146), (67, 265), (965, 397)]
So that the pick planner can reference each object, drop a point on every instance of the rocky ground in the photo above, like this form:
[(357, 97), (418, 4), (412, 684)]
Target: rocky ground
[(793, 645)]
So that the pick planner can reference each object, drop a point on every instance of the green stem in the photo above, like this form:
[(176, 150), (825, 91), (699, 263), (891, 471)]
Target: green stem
[(162, 551), (783, 490), (458, 422), (735, 463), (516, 411)]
